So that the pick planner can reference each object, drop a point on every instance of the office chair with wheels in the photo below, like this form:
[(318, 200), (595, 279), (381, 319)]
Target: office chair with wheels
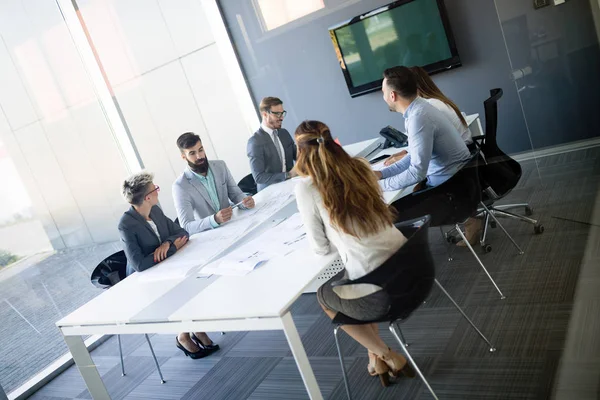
[(407, 278), (499, 175), (108, 273), (248, 185), (449, 204)]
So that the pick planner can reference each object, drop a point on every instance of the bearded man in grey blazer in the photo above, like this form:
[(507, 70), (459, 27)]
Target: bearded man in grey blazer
[(271, 149), (202, 194)]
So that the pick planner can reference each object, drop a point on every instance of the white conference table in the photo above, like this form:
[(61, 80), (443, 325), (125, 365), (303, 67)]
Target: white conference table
[(260, 300)]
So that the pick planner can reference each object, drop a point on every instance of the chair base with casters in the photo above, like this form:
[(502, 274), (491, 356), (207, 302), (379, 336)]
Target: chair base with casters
[(108, 273), (416, 253), (490, 215)]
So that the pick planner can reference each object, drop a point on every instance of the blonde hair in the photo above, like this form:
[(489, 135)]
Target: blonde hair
[(347, 185), (134, 188)]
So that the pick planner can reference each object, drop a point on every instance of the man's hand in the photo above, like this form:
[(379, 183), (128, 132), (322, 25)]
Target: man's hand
[(161, 252), (293, 173), (395, 158), (224, 215), (180, 242), (378, 174), (248, 202)]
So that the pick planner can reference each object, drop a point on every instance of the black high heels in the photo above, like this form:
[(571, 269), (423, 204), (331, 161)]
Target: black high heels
[(194, 356), (210, 348)]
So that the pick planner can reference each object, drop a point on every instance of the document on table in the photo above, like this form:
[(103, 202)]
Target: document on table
[(279, 241), (204, 247)]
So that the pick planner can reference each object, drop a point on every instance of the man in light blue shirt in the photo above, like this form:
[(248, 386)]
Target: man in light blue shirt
[(204, 192), (436, 150)]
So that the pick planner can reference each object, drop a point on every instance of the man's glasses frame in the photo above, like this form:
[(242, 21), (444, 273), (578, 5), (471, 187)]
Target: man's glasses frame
[(279, 114)]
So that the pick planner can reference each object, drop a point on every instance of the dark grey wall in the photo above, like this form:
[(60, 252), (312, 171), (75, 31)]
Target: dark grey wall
[(298, 64)]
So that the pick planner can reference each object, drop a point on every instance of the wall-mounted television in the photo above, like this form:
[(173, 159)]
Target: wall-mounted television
[(405, 32)]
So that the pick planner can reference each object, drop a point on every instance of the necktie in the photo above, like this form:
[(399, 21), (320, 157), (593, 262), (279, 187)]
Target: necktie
[(278, 145)]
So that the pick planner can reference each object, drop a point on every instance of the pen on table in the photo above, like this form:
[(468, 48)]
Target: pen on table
[(233, 207)]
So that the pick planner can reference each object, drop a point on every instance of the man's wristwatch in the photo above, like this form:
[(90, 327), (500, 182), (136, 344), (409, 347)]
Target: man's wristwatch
[(287, 175)]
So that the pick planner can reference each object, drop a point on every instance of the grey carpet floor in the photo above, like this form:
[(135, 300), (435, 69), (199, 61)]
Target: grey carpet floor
[(528, 327)]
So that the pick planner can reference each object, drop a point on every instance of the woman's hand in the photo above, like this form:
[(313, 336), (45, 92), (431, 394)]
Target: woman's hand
[(180, 242), (395, 158), (161, 252)]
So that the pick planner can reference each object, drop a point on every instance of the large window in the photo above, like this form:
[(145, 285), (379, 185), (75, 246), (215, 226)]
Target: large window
[(276, 13)]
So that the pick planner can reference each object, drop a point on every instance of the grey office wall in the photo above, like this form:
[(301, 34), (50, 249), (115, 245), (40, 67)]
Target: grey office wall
[(297, 63)]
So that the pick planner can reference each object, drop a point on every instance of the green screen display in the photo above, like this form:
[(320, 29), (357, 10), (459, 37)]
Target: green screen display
[(411, 34)]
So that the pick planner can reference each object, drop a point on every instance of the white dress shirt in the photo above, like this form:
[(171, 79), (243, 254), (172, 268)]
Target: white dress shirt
[(360, 255), (277, 143), (449, 112), (154, 228)]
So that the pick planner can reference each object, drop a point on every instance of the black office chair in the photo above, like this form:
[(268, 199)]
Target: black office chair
[(407, 277), (108, 273), (450, 204), (248, 185), (499, 175)]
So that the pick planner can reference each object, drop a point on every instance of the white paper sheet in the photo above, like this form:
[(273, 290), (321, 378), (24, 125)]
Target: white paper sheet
[(281, 240), (210, 245)]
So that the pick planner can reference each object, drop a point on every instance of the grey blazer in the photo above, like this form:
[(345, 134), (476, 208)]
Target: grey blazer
[(265, 162), (140, 241), (192, 201)]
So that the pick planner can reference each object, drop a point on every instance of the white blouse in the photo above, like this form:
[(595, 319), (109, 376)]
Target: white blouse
[(448, 111), (359, 255)]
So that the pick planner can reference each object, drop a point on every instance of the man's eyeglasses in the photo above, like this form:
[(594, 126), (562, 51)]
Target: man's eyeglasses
[(156, 189), (279, 114)]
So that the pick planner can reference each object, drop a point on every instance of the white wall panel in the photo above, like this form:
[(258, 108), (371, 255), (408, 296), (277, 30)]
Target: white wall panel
[(224, 122), (59, 51), (90, 171), (144, 32), (51, 183), (173, 109), (107, 166), (187, 25), (104, 28), (148, 140)]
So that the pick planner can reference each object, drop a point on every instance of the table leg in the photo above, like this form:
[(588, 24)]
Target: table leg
[(293, 338), (86, 367)]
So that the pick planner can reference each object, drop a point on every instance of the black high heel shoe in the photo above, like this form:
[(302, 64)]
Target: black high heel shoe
[(194, 356), (210, 348)]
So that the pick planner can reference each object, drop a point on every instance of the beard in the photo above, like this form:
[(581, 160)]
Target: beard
[(200, 166)]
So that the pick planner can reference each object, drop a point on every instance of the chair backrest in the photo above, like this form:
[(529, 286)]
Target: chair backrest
[(405, 273), (454, 200), (110, 271), (500, 172), (248, 185)]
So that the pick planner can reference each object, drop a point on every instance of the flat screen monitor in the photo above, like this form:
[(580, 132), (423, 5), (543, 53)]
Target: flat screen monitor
[(405, 32)]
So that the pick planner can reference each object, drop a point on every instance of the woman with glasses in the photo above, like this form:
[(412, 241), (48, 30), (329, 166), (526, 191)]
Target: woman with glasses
[(341, 206), (150, 237)]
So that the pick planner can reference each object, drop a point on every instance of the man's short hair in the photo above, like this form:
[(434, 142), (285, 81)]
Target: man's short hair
[(402, 81), (135, 187), (268, 102), (187, 140)]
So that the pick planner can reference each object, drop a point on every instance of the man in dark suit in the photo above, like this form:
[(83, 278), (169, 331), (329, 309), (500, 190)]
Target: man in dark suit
[(271, 149)]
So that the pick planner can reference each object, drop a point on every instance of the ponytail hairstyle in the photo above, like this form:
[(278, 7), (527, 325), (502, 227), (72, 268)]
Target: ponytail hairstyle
[(347, 185), (427, 89)]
